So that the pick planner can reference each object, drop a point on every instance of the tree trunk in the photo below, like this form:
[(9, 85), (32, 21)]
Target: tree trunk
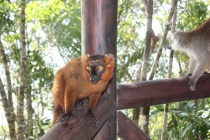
[(7, 103), (10, 121), (154, 66), (149, 12), (165, 117), (136, 111), (22, 75), (30, 111), (165, 113), (136, 115)]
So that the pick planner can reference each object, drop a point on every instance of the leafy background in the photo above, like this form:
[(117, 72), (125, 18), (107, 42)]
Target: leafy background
[(53, 37)]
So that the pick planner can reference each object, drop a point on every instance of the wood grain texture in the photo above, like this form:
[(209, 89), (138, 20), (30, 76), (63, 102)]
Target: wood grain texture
[(82, 128), (99, 26), (128, 130), (99, 36), (162, 91)]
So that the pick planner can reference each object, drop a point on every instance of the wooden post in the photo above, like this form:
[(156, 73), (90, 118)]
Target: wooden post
[(99, 26), (99, 35)]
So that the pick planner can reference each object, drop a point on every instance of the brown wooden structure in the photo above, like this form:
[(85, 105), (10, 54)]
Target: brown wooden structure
[(99, 33), (161, 91)]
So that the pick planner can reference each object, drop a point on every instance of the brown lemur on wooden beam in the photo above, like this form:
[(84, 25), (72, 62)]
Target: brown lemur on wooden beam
[(83, 77), (196, 44)]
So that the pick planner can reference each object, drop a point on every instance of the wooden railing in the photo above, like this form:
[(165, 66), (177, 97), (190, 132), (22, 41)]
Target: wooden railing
[(148, 93), (161, 91), (131, 95), (99, 35)]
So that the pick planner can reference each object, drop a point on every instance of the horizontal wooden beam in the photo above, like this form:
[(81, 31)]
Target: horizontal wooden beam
[(162, 91), (82, 128), (128, 130)]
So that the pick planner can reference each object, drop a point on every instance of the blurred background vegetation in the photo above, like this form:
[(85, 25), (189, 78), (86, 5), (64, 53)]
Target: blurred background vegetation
[(53, 37)]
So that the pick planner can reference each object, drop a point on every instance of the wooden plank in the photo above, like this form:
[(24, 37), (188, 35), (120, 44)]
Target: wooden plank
[(82, 128), (102, 134), (99, 36), (128, 130), (162, 91)]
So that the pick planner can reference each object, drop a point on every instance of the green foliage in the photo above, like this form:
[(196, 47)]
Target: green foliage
[(56, 23), (191, 14), (39, 72), (61, 23), (183, 61), (184, 124), (7, 14), (190, 121), (39, 81), (129, 42)]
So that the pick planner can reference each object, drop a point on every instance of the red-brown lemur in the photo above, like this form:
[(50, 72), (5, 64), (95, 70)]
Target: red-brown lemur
[(83, 77)]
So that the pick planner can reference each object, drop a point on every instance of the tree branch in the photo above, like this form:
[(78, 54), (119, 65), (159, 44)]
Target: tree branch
[(9, 116), (154, 66), (7, 73), (144, 70), (7, 102)]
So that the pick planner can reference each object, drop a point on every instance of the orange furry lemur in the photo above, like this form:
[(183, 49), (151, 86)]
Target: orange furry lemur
[(83, 77)]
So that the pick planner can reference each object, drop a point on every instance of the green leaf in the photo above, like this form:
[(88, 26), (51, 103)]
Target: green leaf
[(183, 114), (205, 114), (189, 126)]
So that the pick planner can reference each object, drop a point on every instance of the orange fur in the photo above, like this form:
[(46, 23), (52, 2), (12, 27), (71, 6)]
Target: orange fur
[(110, 63), (84, 64), (72, 83)]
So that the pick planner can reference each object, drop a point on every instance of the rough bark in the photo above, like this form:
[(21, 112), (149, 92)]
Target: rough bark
[(136, 115), (149, 13), (154, 41), (165, 117), (136, 111), (165, 113), (30, 112), (6, 107), (147, 40), (22, 74), (7, 102)]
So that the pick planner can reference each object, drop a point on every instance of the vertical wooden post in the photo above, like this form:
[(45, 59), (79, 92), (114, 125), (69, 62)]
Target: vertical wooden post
[(99, 35)]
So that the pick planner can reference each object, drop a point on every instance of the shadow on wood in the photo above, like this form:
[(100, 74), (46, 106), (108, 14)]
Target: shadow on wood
[(128, 130), (106, 129), (82, 128), (162, 91)]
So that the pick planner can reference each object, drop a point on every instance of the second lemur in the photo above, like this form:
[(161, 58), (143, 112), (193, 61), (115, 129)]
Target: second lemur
[(196, 44)]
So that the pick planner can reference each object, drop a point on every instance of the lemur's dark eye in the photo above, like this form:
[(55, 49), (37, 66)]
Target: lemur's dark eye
[(88, 68), (100, 68)]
